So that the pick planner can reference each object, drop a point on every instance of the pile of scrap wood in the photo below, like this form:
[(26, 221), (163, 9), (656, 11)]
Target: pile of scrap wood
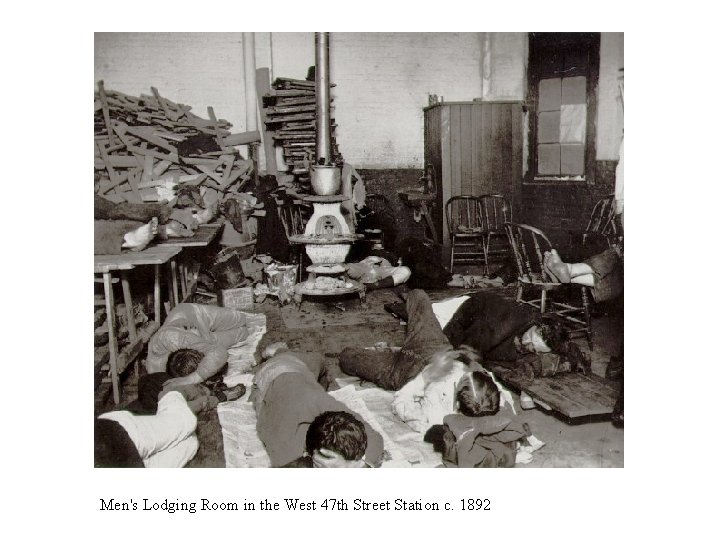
[(145, 147), (289, 116)]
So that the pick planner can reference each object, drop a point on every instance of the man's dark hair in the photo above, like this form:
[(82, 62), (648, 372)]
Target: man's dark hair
[(338, 431), (477, 395), (553, 333), (467, 355), (183, 362), (113, 446)]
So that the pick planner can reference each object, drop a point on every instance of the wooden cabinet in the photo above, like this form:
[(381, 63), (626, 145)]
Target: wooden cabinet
[(475, 148)]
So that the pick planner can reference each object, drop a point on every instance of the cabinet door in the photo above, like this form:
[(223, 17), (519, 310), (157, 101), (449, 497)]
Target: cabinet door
[(476, 149)]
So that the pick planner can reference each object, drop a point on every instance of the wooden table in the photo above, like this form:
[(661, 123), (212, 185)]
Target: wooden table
[(204, 234), (106, 264)]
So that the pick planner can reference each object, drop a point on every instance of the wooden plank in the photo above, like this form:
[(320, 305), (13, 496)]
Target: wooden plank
[(476, 125), (496, 143), (286, 93), (134, 195), (486, 149), (466, 149), (262, 87), (517, 158), (446, 163), (115, 178), (573, 395), (288, 118), (227, 171), (147, 175), (106, 111), (149, 134), (505, 141), (170, 114), (215, 127), (455, 151)]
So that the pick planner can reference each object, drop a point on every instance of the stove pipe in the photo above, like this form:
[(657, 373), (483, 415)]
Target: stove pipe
[(323, 149)]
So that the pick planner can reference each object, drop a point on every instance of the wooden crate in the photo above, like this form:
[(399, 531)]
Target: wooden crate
[(240, 299)]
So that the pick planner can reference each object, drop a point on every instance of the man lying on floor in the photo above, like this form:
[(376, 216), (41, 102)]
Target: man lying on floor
[(210, 330), (450, 389), (500, 329), (181, 363), (163, 439), (300, 424), (377, 273), (481, 433)]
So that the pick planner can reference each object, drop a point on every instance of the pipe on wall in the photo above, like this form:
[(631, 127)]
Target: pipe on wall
[(322, 92), (248, 39)]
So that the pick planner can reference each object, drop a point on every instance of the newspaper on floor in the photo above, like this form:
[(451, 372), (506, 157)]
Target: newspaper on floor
[(242, 446), (241, 358), (405, 446)]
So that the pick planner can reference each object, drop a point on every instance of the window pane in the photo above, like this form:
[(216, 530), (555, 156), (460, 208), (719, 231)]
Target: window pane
[(572, 159), (573, 123), (549, 127), (573, 90), (549, 91), (548, 159)]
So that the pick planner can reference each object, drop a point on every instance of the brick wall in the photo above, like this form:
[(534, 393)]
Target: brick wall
[(559, 209), (386, 182)]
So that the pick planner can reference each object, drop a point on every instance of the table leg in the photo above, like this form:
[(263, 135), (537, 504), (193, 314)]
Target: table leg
[(183, 279), (156, 293), (127, 298), (112, 336), (173, 274)]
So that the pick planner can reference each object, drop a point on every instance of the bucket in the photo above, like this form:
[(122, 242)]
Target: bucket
[(325, 179), (227, 270)]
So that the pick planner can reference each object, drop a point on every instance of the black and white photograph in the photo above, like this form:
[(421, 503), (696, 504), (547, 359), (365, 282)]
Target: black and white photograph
[(353, 236), (359, 249)]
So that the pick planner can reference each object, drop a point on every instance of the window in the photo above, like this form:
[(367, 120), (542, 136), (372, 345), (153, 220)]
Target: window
[(562, 77)]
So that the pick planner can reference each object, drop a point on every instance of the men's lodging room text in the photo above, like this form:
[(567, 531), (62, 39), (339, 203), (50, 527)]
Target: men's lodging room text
[(293, 505)]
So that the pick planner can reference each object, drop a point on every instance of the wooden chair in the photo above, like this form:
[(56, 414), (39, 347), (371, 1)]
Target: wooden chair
[(603, 222), (294, 216), (496, 211), (467, 231), (529, 245)]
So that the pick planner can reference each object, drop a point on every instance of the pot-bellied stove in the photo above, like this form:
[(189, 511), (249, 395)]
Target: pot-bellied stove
[(327, 242), (328, 236)]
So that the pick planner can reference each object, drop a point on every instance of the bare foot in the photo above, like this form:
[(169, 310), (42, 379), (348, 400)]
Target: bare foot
[(139, 238), (175, 229), (207, 215), (558, 270), (274, 348)]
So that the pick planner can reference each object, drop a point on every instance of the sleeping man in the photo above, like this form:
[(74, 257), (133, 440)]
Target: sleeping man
[(301, 425), (209, 330)]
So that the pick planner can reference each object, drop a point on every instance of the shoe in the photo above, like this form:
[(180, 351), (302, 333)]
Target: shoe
[(397, 309), (526, 402), (230, 394)]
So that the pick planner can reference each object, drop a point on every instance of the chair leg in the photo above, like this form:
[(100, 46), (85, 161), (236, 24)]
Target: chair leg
[(112, 336), (588, 318), (543, 300), (452, 254), (518, 297), (486, 252)]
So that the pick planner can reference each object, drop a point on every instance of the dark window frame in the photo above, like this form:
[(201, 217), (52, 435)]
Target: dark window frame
[(540, 43)]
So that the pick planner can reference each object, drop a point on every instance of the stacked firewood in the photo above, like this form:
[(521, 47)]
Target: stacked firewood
[(289, 114), (145, 147)]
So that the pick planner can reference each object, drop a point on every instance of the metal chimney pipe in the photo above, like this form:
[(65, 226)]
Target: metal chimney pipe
[(323, 149)]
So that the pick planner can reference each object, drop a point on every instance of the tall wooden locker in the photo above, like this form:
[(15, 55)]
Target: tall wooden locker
[(475, 148)]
